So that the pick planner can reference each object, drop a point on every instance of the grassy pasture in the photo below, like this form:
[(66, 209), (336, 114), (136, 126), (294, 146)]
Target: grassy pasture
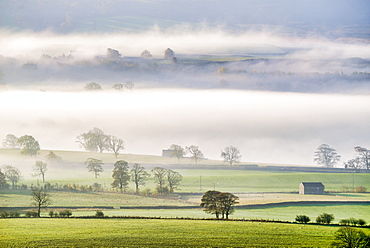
[(46, 232), (72, 170), (281, 213)]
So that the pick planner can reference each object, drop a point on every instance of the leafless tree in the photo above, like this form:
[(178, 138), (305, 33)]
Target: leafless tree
[(115, 144), (364, 156), (139, 176), (40, 168), (13, 174), (41, 199), (159, 175), (196, 154), (174, 179), (326, 155), (11, 141), (231, 154)]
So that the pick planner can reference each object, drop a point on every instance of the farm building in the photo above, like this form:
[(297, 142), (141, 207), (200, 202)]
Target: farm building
[(167, 153), (311, 188)]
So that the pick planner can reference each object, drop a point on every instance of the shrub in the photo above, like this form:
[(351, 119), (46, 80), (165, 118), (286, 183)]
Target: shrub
[(14, 214), (30, 214), (359, 189), (350, 237), (325, 218), (65, 213), (4, 214), (99, 214), (361, 222), (302, 219), (353, 222), (51, 213), (344, 222)]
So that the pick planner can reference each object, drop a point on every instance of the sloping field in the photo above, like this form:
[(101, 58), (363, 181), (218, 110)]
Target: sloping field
[(47, 232)]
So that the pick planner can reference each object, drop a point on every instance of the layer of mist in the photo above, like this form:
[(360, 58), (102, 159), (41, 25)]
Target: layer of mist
[(253, 61), (265, 126)]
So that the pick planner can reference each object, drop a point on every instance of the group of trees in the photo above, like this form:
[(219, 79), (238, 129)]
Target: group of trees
[(121, 176), (13, 174), (29, 145), (219, 203), (230, 154), (10, 173), (92, 86), (167, 180), (95, 140), (328, 157)]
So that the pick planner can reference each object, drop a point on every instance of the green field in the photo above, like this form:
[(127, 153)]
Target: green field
[(251, 186), (208, 174), (47, 232)]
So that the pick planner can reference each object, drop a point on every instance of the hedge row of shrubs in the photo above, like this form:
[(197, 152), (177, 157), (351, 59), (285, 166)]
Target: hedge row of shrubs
[(328, 218), (33, 214), (62, 213)]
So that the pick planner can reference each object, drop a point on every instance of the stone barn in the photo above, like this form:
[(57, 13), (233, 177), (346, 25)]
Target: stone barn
[(311, 188), (167, 153)]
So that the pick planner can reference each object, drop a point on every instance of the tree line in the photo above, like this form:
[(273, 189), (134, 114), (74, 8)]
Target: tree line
[(328, 157), (95, 140)]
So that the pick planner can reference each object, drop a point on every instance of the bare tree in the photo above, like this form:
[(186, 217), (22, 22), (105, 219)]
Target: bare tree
[(327, 156), (174, 179), (159, 175), (177, 151), (94, 165), (120, 175), (139, 176), (354, 163), (364, 156), (11, 141), (40, 168), (40, 198), (13, 174), (231, 154), (196, 154), (3, 183), (115, 144)]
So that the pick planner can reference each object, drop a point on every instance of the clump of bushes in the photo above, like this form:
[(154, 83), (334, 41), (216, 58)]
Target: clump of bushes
[(65, 213), (325, 218), (62, 213), (352, 222), (302, 219), (359, 189), (99, 214), (32, 214)]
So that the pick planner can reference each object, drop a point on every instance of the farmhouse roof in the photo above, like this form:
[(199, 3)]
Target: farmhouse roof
[(313, 184)]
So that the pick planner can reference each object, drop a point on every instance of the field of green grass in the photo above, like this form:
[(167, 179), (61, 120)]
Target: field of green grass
[(251, 186), (213, 175), (46, 232), (275, 213)]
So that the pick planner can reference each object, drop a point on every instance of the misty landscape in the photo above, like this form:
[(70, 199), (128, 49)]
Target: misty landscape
[(244, 101)]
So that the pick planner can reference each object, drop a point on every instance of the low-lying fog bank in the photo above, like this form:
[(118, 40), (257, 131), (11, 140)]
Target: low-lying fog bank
[(265, 126)]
